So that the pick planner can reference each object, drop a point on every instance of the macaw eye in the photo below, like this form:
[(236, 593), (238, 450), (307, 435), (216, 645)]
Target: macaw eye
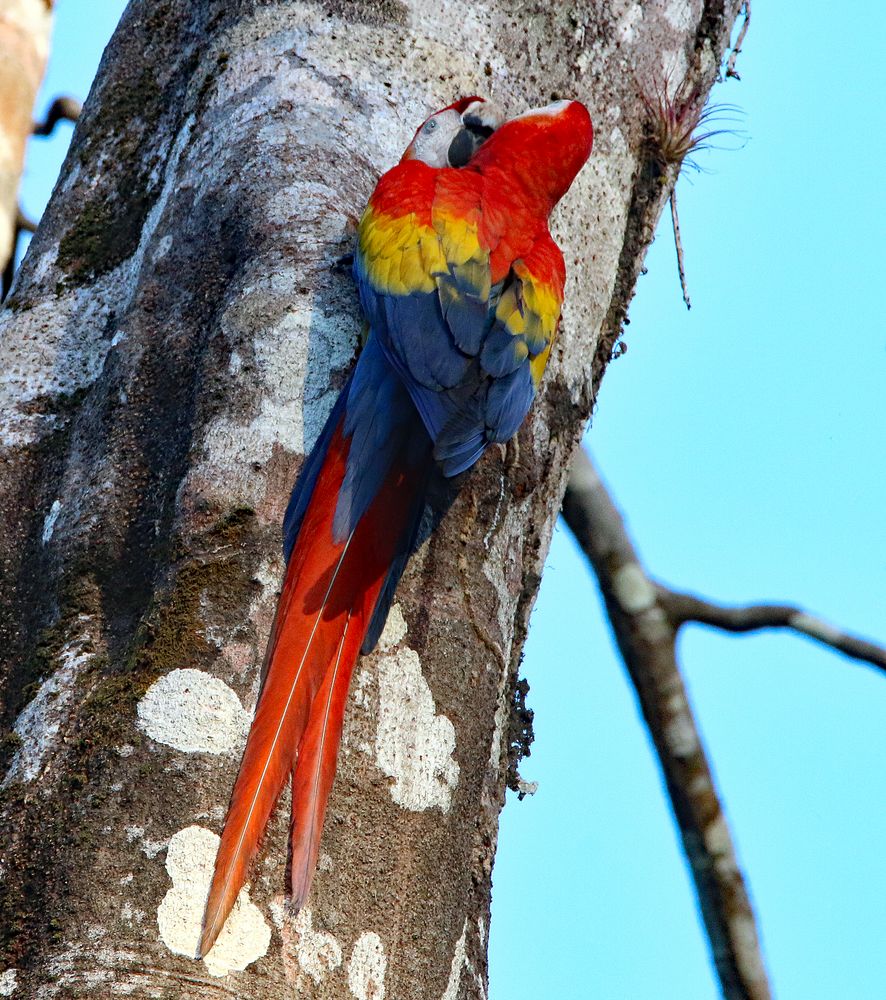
[(431, 125)]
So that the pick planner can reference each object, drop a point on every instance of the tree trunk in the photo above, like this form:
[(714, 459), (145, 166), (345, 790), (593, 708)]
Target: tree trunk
[(24, 46), (173, 344)]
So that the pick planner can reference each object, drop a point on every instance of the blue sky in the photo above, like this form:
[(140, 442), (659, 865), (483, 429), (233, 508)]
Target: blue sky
[(744, 440)]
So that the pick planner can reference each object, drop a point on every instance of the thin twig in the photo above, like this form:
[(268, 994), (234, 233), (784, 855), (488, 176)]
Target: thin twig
[(679, 245), (61, 109), (733, 55), (647, 640), (682, 608), (23, 224)]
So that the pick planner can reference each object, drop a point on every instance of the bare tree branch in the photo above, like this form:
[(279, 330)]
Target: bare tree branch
[(646, 637), (682, 608), (24, 43), (62, 109), (22, 225)]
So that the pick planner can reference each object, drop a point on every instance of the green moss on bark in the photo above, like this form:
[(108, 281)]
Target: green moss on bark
[(212, 571)]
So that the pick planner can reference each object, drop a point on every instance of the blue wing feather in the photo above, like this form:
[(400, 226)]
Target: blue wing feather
[(379, 419), (420, 336), (500, 355), (465, 313), (507, 403), (462, 441), (466, 373)]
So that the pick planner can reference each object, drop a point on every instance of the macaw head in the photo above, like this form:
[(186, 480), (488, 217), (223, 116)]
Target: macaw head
[(543, 149), (449, 138)]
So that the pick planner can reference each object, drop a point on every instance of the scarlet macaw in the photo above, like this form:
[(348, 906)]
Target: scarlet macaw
[(462, 285)]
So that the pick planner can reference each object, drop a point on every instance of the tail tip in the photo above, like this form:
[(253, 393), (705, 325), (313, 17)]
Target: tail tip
[(207, 940), (300, 886)]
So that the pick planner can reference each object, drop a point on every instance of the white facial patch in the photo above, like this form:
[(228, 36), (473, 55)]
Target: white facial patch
[(432, 143)]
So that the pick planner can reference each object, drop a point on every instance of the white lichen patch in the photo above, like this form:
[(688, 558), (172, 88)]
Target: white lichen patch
[(394, 631), (150, 848), (717, 839), (459, 959), (680, 15), (816, 628), (673, 65), (413, 745), (8, 982), (246, 934), (164, 245), (49, 521), (318, 952), (294, 398), (194, 712), (617, 142), (461, 963), (62, 351), (88, 964), (131, 914), (625, 28), (38, 725), (367, 967), (501, 714), (681, 736), (501, 569), (277, 909)]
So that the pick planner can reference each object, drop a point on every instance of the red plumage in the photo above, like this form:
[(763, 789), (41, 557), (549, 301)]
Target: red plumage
[(485, 328), (328, 598)]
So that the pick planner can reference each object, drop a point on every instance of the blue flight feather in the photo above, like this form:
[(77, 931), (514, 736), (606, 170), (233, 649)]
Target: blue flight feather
[(507, 403)]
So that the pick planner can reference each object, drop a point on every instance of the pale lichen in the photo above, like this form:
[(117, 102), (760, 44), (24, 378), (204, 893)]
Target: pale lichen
[(367, 967), (413, 744), (318, 952), (246, 934), (192, 711), (38, 725)]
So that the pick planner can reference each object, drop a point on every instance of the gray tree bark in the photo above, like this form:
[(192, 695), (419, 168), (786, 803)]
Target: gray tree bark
[(173, 343)]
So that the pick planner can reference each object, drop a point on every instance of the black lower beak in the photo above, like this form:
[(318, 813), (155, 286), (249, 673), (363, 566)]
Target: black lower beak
[(462, 148), (468, 141)]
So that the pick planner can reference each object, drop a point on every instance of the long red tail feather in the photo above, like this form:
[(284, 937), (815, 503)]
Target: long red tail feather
[(315, 771), (324, 610)]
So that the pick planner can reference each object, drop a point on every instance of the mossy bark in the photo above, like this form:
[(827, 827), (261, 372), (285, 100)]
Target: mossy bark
[(175, 339)]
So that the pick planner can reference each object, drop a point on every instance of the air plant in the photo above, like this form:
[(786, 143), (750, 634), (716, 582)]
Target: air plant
[(679, 124)]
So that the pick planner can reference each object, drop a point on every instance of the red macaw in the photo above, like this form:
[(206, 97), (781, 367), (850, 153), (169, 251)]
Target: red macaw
[(462, 285)]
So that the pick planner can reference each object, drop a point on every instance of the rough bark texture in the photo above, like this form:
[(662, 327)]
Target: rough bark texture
[(171, 348), (24, 46)]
